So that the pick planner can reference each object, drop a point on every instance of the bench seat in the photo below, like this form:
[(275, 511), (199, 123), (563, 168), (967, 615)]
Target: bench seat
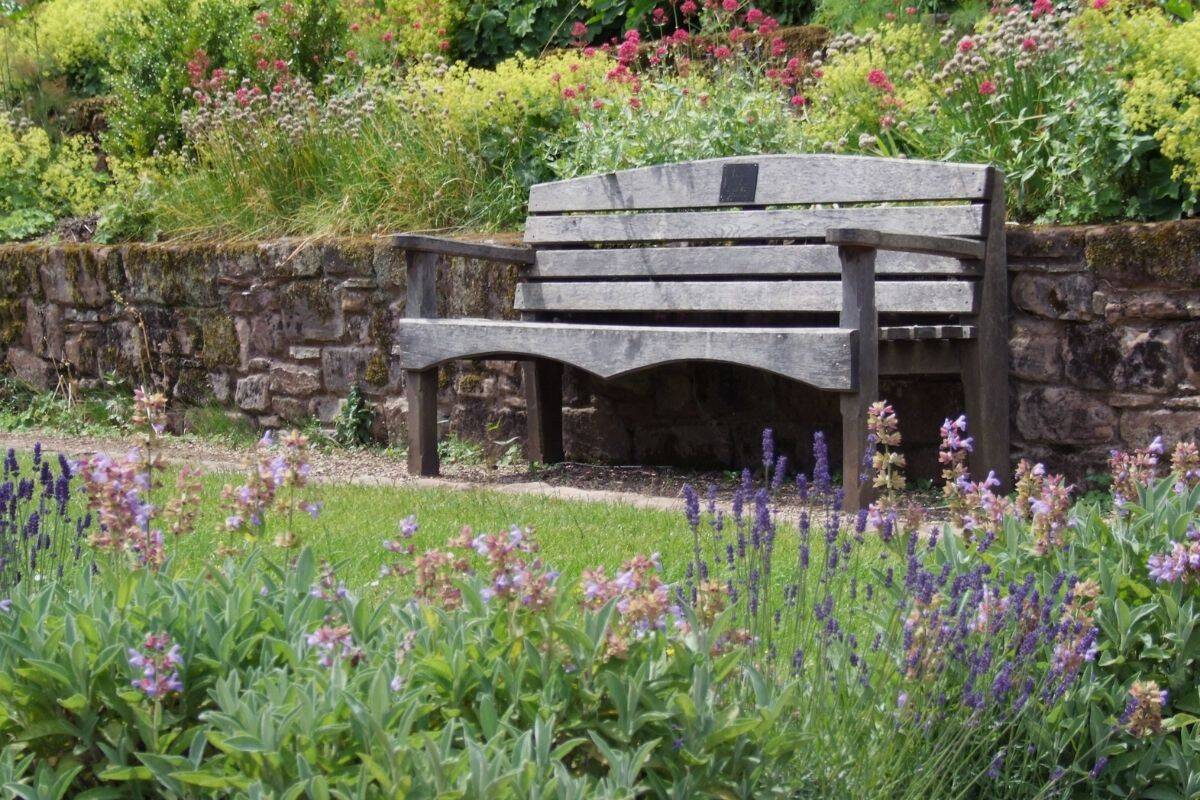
[(820, 357)]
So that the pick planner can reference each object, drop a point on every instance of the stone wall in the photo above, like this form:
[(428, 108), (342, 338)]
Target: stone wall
[(1105, 347), (1105, 339)]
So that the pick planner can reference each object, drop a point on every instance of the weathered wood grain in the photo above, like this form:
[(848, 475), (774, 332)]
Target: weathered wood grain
[(858, 313), (820, 357), (907, 242), (912, 333), (483, 251), (913, 297), (699, 226), (782, 180), (808, 260)]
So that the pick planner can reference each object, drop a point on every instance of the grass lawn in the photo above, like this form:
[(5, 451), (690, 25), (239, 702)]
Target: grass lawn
[(357, 519)]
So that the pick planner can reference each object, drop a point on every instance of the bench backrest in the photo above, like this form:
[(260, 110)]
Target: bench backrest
[(745, 235)]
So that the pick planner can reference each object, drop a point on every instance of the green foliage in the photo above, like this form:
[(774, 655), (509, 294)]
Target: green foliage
[(148, 73), (353, 425), (487, 700), (1150, 631), (42, 181)]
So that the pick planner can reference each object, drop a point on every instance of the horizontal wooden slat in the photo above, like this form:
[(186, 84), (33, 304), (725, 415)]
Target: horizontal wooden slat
[(820, 357), (464, 248), (959, 220), (913, 333), (799, 259), (915, 297), (907, 242), (781, 180)]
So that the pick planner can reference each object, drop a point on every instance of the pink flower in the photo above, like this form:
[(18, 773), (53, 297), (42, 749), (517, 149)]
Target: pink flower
[(890, 16), (635, 103), (754, 16), (388, 37), (1029, 44), (722, 52), (987, 87), (966, 44), (778, 47), (799, 101), (879, 79), (1041, 7), (911, 11), (1099, 5), (579, 30), (688, 8), (735, 34), (730, 5)]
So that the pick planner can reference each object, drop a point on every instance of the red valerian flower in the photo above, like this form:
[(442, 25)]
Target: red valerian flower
[(911, 11), (388, 37), (879, 79), (1099, 5), (987, 87), (660, 16), (966, 44), (1041, 7), (444, 44), (579, 30), (635, 103), (1029, 44), (730, 5), (722, 52), (688, 8), (799, 101), (735, 34), (754, 16), (778, 47)]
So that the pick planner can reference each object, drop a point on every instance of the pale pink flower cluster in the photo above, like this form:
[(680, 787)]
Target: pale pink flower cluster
[(273, 483), (118, 491), (157, 664), (642, 601), (1130, 471), (1043, 500)]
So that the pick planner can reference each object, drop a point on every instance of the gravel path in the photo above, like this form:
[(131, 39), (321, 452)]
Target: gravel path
[(640, 486)]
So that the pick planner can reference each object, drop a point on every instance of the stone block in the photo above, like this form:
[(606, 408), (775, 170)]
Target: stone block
[(292, 409), (393, 414), (1156, 255), (1149, 360), (309, 313), (1138, 428), (219, 383), (1035, 349), (1064, 297), (300, 353), (326, 409), (31, 369), (342, 367), (1058, 415), (295, 379), (592, 434), (253, 393), (1028, 242)]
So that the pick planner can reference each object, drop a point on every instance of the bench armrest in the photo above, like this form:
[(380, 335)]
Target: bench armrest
[(443, 246), (952, 246)]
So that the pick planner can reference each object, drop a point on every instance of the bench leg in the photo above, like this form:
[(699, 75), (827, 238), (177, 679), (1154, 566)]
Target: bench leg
[(420, 388), (859, 493), (543, 409), (985, 386)]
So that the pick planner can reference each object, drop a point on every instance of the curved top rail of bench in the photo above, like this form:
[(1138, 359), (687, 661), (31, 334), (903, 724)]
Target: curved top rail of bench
[(764, 181)]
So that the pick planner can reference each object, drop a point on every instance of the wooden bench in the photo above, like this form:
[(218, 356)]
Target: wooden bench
[(830, 270)]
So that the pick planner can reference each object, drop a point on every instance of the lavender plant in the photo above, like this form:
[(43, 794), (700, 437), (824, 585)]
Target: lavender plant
[(42, 532), (889, 623)]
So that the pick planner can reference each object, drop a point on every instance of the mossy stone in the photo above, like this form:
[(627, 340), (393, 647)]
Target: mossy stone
[(1164, 255)]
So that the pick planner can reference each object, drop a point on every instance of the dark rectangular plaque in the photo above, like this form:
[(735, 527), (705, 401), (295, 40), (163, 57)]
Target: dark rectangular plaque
[(739, 183)]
